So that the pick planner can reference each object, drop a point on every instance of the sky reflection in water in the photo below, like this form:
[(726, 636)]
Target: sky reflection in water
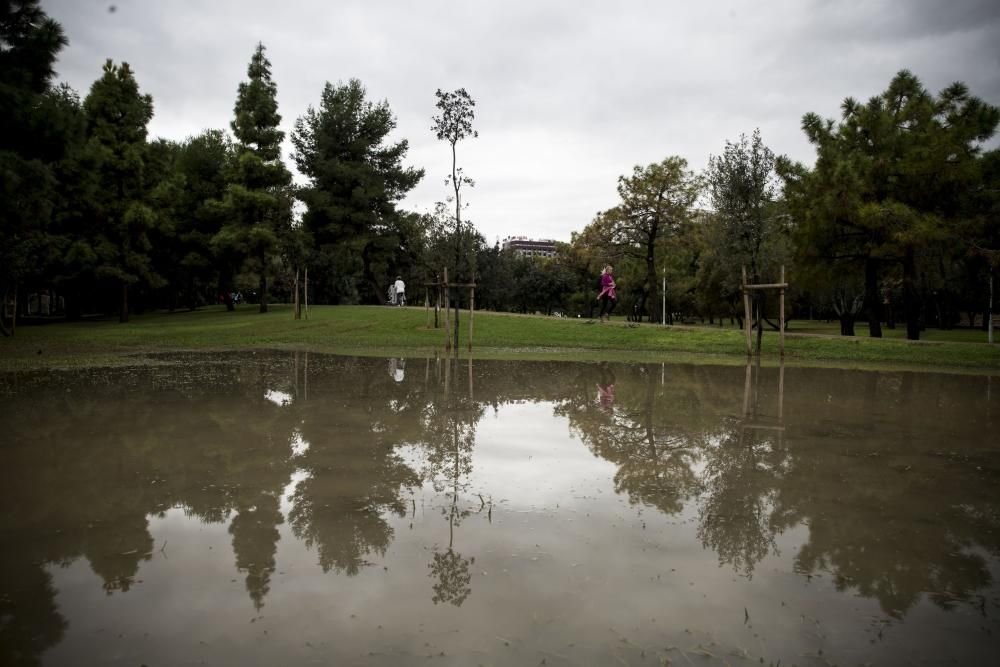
[(296, 509)]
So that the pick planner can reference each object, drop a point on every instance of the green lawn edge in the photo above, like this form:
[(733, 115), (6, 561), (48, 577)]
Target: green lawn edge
[(403, 332)]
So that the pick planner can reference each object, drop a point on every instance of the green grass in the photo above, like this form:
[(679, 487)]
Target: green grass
[(367, 330), (832, 328)]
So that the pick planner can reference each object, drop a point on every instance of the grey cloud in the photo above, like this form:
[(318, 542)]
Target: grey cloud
[(569, 94)]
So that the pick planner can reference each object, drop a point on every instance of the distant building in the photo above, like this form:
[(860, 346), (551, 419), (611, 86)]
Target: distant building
[(526, 247)]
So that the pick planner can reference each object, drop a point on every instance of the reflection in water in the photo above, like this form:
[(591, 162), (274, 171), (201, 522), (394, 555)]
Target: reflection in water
[(885, 482), (735, 518), (451, 427)]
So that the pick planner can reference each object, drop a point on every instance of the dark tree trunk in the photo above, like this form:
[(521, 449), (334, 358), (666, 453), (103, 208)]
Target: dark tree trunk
[(911, 304), (846, 325), (226, 290), (263, 284), (873, 297), (8, 328), (650, 290), (123, 308)]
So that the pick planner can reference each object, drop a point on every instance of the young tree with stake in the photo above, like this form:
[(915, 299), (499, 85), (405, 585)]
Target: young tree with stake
[(453, 124)]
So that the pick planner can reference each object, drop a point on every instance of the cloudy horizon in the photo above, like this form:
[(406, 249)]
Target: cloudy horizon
[(569, 95)]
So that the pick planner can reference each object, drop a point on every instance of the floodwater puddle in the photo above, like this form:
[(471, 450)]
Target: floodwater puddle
[(294, 508)]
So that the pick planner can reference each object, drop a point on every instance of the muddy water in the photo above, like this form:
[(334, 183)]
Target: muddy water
[(292, 509)]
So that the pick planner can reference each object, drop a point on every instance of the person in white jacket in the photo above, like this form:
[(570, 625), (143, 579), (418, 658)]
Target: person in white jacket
[(400, 287)]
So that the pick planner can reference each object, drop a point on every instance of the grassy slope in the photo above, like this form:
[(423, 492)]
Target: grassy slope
[(403, 331)]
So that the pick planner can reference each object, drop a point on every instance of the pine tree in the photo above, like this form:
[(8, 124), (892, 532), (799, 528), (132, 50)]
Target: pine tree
[(356, 180), (891, 180), (256, 201), (119, 218), (29, 142)]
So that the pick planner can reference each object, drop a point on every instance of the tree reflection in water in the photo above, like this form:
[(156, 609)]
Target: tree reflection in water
[(889, 472), (736, 516), (450, 427), (644, 433), (354, 421)]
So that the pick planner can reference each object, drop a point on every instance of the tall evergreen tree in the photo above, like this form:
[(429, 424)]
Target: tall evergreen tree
[(29, 142), (203, 164), (891, 178), (356, 179), (256, 202), (119, 216)]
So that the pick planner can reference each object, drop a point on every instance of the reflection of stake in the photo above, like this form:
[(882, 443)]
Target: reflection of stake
[(756, 385), (471, 397), (746, 391), (781, 390)]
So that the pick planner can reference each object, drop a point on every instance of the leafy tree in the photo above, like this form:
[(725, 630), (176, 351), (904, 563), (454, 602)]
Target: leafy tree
[(256, 201), (742, 184), (32, 139), (452, 125), (891, 179), (655, 201), (356, 182), (119, 217)]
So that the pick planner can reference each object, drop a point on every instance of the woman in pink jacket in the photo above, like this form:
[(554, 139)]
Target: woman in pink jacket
[(607, 296)]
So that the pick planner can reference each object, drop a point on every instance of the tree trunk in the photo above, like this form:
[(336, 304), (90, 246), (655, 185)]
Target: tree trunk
[(456, 319), (263, 284), (873, 297), (847, 324), (226, 291), (911, 303), (5, 329), (123, 308), (651, 286)]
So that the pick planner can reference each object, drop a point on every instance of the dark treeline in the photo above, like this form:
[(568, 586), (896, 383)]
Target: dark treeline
[(897, 220)]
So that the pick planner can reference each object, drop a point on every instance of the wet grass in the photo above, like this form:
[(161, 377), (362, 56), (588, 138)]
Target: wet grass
[(374, 330)]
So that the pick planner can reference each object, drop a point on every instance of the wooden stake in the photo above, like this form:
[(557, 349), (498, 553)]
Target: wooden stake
[(447, 315), (472, 306), (781, 314), (307, 292), (746, 311), (298, 309)]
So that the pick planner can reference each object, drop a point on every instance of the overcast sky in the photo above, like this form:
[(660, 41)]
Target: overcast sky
[(569, 95)]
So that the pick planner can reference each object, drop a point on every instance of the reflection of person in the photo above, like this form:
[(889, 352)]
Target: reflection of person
[(397, 369), (606, 387), (400, 288), (607, 296)]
